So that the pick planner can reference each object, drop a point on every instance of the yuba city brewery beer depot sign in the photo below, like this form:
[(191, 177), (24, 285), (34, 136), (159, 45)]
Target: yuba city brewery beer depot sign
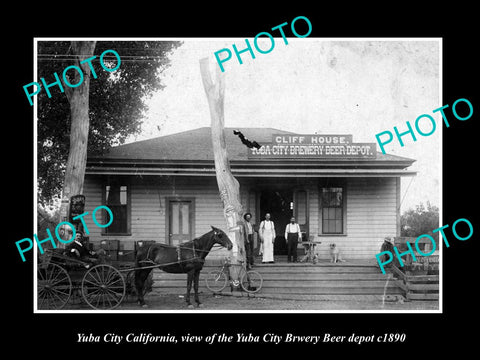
[(313, 146)]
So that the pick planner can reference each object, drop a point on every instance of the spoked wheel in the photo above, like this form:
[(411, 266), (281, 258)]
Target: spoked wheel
[(216, 281), (251, 281), (103, 287), (54, 287)]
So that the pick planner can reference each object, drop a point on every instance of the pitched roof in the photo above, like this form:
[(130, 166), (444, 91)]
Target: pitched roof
[(190, 145), (196, 145)]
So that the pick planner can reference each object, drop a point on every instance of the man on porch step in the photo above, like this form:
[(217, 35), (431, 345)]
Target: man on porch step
[(248, 239), (267, 237), (293, 235)]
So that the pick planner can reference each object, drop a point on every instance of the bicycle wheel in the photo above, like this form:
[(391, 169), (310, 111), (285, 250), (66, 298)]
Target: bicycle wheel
[(216, 281), (251, 281)]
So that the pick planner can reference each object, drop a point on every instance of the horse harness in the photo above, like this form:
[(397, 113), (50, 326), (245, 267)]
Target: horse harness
[(179, 261), (179, 255)]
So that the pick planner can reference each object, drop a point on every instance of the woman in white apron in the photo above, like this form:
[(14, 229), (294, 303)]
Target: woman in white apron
[(267, 236)]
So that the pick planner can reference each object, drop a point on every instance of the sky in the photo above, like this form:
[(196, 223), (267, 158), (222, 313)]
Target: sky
[(316, 85)]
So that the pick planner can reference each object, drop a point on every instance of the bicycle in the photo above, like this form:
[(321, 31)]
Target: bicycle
[(250, 280)]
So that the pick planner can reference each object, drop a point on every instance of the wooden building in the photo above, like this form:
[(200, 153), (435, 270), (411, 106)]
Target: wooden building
[(164, 189)]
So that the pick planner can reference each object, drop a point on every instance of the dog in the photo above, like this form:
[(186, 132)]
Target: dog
[(335, 255)]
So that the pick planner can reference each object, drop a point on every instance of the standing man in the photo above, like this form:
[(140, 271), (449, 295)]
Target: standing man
[(267, 236), (293, 235), (248, 239)]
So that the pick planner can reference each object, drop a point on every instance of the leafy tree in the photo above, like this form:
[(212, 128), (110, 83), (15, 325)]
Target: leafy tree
[(116, 101), (420, 221), (47, 218)]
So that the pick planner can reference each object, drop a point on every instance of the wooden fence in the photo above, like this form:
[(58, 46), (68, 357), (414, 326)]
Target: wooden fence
[(418, 279)]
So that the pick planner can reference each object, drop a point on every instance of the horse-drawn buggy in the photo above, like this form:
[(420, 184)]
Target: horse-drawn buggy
[(61, 278), (103, 284)]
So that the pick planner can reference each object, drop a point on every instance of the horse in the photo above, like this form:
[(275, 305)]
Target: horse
[(188, 257)]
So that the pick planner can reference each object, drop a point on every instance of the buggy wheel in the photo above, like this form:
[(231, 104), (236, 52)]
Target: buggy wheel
[(103, 287), (216, 281), (54, 287), (251, 281)]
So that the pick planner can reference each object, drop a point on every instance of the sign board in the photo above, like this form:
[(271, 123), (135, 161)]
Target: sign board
[(64, 208), (77, 206), (313, 146), (433, 259)]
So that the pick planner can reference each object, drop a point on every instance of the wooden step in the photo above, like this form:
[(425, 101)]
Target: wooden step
[(293, 276), (391, 289), (297, 280), (357, 263), (332, 290), (181, 290), (267, 283), (320, 269), (290, 275), (297, 271)]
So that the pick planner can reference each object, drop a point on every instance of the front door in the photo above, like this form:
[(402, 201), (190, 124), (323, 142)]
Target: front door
[(179, 221), (278, 202)]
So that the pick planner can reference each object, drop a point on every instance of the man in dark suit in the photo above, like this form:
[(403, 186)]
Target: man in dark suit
[(78, 249), (293, 234), (248, 231)]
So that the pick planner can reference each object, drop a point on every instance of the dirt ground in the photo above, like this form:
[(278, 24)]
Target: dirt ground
[(243, 303)]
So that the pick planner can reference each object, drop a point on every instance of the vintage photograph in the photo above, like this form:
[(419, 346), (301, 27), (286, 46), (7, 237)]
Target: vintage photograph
[(164, 184)]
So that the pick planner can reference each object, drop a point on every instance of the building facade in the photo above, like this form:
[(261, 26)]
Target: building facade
[(165, 189)]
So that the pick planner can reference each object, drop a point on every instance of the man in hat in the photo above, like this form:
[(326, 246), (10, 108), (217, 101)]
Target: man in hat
[(388, 245), (248, 231)]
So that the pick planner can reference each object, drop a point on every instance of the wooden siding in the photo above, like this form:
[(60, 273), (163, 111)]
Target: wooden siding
[(371, 213), (148, 207)]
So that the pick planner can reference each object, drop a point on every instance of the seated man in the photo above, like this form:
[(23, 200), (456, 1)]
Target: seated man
[(78, 249)]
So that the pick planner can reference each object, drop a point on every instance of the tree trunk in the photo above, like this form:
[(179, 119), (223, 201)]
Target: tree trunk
[(79, 113), (227, 184)]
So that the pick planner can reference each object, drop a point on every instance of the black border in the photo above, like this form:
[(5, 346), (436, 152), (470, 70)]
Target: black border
[(425, 332)]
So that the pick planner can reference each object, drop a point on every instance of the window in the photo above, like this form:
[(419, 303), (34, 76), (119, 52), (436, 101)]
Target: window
[(332, 210), (117, 200)]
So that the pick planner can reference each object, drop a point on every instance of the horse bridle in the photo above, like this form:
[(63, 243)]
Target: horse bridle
[(215, 233), (179, 247)]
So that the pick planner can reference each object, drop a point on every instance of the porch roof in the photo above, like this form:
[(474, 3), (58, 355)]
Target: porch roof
[(190, 153)]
